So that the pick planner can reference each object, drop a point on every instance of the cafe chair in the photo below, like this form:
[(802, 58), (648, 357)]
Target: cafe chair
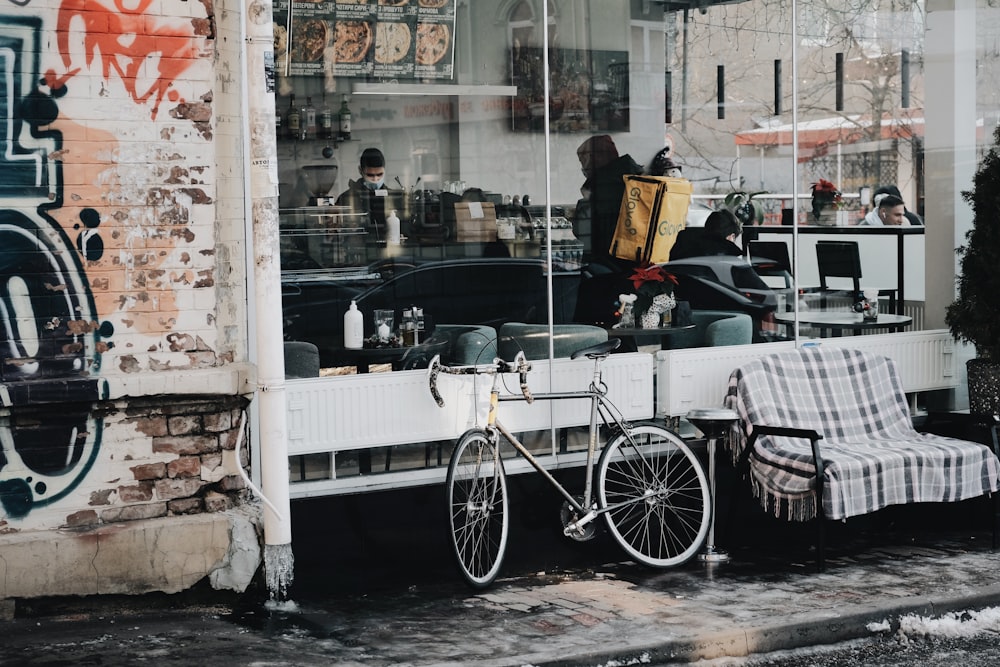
[(770, 259), (468, 344), (842, 259), (301, 359), (533, 339), (713, 328)]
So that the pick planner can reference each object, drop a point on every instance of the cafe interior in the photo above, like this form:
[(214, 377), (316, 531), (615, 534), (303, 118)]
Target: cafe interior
[(488, 233)]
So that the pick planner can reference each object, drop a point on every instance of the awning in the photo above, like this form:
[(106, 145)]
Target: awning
[(815, 135)]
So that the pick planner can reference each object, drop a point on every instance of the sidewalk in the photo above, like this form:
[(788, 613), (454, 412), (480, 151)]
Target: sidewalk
[(764, 599)]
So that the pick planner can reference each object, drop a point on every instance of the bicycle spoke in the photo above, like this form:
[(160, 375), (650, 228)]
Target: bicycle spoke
[(478, 508), (655, 496)]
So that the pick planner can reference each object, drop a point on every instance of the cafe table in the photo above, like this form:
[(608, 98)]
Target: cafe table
[(400, 357), (839, 321)]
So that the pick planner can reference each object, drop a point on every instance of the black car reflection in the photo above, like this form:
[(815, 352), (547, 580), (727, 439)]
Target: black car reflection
[(473, 291)]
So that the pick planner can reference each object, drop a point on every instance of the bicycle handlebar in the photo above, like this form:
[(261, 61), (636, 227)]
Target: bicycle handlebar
[(435, 368), (520, 366)]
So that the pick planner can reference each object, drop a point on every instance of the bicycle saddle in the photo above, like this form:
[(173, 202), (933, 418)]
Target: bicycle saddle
[(599, 350)]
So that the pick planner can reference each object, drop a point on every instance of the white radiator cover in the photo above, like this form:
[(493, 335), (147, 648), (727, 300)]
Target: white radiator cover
[(378, 409), (697, 377)]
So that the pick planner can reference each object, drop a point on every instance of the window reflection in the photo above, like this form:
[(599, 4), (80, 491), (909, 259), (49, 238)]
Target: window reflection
[(483, 171)]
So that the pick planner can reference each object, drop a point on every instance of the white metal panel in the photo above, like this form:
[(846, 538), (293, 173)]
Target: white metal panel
[(925, 359), (379, 409), (697, 377)]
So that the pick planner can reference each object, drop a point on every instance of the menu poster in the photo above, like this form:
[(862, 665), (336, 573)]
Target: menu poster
[(435, 56), (353, 39), (395, 39), (398, 39)]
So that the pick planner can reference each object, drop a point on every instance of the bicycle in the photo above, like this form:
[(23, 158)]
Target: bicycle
[(651, 488)]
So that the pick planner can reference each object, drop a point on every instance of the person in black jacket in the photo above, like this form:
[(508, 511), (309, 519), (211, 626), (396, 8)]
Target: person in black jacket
[(602, 193), (717, 237), (369, 193)]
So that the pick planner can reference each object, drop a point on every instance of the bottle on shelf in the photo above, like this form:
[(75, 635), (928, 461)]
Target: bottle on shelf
[(408, 328), (392, 229), (418, 317), (354, 328), (293, 121), (326, 130), (308, 119), (344, 115), (278, 129)]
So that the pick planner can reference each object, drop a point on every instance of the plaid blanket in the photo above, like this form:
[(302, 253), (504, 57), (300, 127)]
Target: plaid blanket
[(872, 455)]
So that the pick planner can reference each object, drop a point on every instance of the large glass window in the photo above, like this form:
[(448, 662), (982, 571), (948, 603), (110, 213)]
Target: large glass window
[(503, 163)]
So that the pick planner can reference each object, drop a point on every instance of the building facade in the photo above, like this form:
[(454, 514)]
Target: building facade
[(172, 176)]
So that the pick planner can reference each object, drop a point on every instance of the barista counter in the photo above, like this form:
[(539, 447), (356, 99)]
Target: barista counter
[(875, 245)]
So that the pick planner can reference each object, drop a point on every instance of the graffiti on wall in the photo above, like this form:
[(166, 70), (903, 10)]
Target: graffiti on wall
[(64, 277), (148, 53), (48, 324)]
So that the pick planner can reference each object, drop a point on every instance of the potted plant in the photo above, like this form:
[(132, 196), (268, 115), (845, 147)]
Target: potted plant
[(974, 316)]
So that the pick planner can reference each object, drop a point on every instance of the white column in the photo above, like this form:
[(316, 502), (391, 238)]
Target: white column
[(949, 145), (266, 320)]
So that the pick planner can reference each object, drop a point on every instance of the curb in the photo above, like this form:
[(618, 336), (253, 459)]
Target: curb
[(781, 636)]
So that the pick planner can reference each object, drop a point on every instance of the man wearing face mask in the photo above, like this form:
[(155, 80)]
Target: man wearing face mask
[(369, 193)]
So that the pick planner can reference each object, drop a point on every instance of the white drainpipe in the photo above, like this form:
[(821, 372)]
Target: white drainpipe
[(261, 179)]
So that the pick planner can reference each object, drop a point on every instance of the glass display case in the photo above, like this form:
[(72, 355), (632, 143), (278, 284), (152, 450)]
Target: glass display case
[(322, 241)]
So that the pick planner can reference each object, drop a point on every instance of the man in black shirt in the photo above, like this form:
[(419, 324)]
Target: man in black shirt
[(369, 193), (717, 237)]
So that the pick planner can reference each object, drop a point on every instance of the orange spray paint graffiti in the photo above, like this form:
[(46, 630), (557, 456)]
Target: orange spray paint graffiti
[(148, 52)]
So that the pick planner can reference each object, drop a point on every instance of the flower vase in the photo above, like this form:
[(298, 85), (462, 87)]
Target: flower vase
[(653, 317)]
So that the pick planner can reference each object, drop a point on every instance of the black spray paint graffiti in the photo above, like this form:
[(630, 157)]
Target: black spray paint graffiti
[(49, 337)]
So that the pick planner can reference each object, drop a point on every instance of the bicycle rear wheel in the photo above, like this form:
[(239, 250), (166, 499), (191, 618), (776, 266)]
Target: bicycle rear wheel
[(477, 507), (656, 494)]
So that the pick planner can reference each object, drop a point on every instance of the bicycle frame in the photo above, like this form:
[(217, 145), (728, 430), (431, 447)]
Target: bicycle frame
[(599, 408)]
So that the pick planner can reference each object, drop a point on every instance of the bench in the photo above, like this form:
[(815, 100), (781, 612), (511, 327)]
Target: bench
[(825, 433)]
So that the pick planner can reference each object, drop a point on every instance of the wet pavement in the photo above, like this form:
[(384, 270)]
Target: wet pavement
[(375, 585)]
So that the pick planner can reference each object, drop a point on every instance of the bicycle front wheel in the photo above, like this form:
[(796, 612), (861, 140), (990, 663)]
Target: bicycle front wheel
[(477, 507), (655, 494)]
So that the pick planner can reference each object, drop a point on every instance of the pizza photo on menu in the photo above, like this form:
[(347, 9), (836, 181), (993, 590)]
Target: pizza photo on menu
[(433, 40), (392, 42), (352, 41), (434, 4), (309, 38)]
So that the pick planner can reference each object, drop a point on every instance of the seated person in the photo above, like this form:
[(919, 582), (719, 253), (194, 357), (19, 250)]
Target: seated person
[(718, 237), (889, 210), (911, 217), (369, 193)]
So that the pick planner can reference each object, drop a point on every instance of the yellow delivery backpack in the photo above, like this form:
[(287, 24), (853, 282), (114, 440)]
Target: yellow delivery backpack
[(654, 209)]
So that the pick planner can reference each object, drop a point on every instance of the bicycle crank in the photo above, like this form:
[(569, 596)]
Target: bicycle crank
[(576, 526)]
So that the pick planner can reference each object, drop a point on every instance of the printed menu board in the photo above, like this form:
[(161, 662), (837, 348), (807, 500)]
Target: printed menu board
[(397, 39), (435, 57)]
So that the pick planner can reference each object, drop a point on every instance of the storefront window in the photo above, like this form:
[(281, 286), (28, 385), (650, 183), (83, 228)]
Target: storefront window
[(486, 157), (503, 162)]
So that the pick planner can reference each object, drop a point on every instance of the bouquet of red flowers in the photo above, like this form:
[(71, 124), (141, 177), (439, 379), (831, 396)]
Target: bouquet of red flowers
[(649, 281)]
